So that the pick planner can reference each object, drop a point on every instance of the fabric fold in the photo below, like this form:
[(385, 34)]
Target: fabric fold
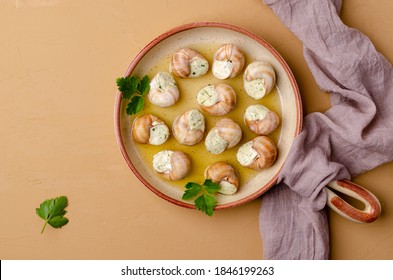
[(353, 136)]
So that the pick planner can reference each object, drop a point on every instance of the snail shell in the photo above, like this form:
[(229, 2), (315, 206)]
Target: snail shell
[(172, 165), (260, 119), (149, 129), (224, 135), (259, 79), (188, 63), (189, 128), (228, 62), (217, 100), (163, 90), (258, 154), (225, 175)]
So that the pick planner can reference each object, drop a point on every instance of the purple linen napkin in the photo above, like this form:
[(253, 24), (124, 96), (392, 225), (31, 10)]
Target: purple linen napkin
[(353, 136)]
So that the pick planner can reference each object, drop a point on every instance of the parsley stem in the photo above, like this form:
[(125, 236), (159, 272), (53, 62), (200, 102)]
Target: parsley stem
[(43, 228)]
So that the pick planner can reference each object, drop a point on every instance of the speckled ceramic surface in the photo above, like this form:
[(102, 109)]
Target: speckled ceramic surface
[(256, 49)]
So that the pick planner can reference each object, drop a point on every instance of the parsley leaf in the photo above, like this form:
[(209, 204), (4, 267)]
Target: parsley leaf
[(52, 211), (211, 187), (136, 105), (193, 189), (127, 86), (58, 221), (144, 85), (131, 85), (206, 201)]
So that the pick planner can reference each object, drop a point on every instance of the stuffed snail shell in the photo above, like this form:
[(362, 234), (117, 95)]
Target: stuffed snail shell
[(188, 63), (163, 90), (259, 79), (257, 154), (224, 135), (228, 62), (225, 175), (189, 128), (148, 129), (172, 165), (217, 100), (260, 119)]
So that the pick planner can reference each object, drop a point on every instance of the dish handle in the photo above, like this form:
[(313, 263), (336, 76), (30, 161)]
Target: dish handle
[(372, 205)]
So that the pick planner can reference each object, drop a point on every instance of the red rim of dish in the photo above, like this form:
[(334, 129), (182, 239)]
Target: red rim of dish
[(167, 34)]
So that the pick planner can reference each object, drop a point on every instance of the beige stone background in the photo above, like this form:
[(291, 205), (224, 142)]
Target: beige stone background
[(58, 63)]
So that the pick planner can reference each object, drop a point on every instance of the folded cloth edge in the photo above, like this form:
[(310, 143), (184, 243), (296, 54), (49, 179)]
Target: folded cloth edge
[(352, 137)]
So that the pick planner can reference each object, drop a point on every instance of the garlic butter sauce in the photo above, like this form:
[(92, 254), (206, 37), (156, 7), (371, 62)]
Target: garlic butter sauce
[(189, 88)]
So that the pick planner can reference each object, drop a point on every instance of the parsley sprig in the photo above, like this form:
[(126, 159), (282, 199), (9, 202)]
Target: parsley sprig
[(52, 211), (133, 88), (205, 202)]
